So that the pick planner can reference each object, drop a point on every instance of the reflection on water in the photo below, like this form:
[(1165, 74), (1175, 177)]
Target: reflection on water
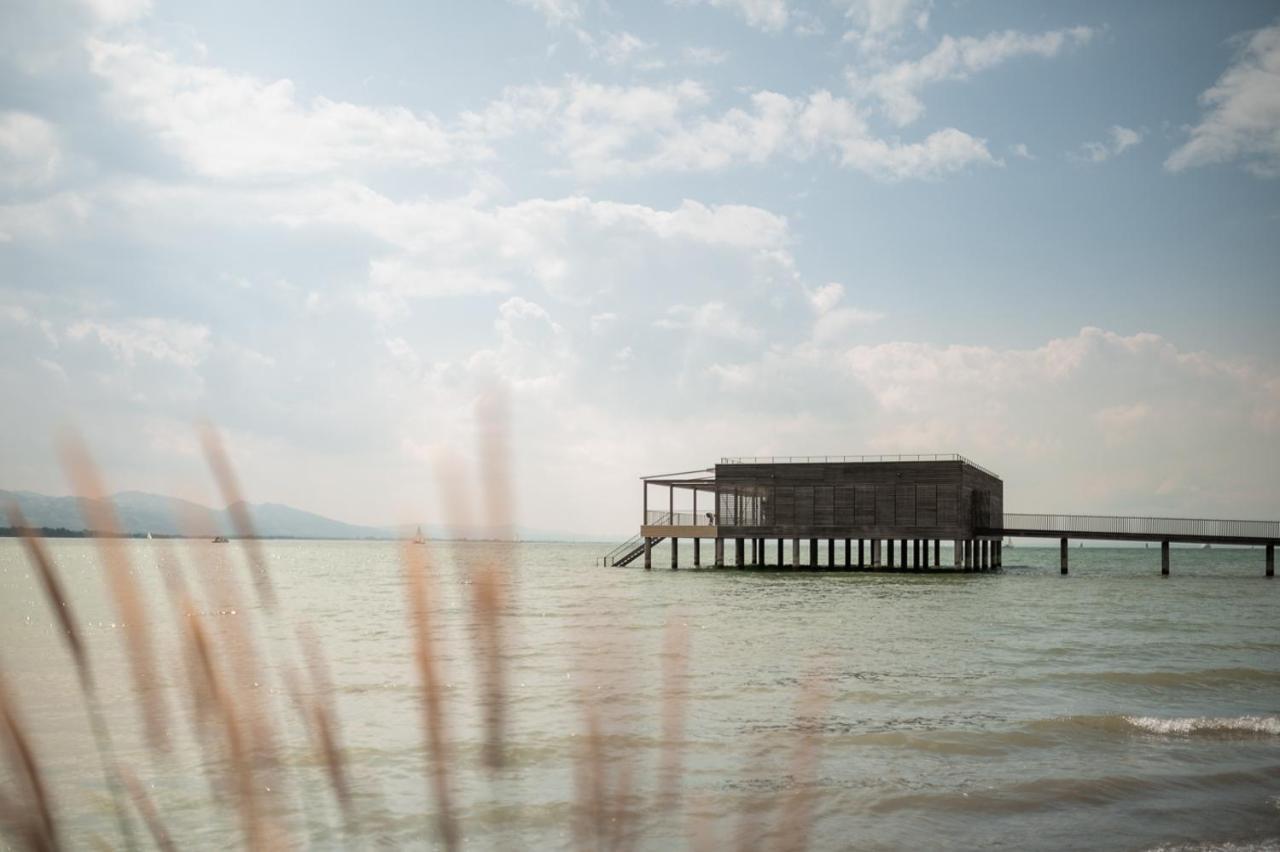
[(1110, 709)]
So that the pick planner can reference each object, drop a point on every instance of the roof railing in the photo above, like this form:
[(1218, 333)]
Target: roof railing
[(898, 457)]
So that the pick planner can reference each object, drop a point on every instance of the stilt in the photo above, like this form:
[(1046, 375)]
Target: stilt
[(1062, 555), (937, 552), (848, 553), (675, 553), (915, 553), (718, 550), (697, 553), (780, 560), (862, 561), (924, 553), (795, 553), (957, 554), (813, 553), (831, 553), (648, 554), (875, 553), (968, 554), (985, 549), (891, 548), (739, 551), (1271, 560), (1164, 559)]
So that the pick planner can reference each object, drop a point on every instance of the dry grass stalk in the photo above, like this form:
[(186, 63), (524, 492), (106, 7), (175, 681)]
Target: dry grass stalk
[(323, 716), (147, 809), (218, 461), (675, 670), (100, 517), (796, 819), (419, 587), (55, 594), (40, 827), (258, 832)]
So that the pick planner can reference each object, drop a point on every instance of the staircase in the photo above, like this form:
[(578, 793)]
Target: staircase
[(626, 552)]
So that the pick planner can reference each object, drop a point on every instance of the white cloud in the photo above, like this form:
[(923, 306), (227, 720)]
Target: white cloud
[(229, 125), (766, 15), (712, 319), (1021, 151), (607, 131), (623, 48), (180, 343), (118, 11), (556, 12), (1120, 139), (898, 87), (1243, 113), (877, 23), (704, 55), (29, 151)]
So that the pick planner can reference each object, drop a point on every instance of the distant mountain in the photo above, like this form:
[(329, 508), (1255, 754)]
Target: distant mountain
[(141, 513)]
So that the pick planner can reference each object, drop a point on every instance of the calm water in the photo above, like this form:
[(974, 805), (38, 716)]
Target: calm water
[(1112, 709)]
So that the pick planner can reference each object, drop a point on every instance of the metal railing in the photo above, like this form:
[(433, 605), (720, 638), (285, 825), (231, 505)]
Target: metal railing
[(899, 457), (678, 519), (1113, 525)]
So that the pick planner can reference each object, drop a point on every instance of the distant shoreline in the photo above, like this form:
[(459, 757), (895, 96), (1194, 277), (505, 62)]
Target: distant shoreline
[(63, 532)]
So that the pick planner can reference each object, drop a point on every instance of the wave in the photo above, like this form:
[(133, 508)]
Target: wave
[(1184, 726), (1264, 725), (1269, 845), (1203, 678)]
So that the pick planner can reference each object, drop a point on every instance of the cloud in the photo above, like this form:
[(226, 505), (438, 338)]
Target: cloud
[(228, 125), (712, 319), (1242, 121), (611, 131), (897, 88), (1120, 139), (768, 15), (623, 48), (166, 340), (878, 23), (30, 154), (556, 12)]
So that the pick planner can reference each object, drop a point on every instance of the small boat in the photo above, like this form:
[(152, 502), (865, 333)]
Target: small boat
[(1206, 546), (419, 538), (220, 539), (148, 536)]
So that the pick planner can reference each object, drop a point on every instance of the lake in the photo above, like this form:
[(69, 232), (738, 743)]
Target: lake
[(1111, 709)]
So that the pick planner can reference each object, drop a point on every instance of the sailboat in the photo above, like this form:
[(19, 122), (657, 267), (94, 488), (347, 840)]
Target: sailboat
[(419, 538)]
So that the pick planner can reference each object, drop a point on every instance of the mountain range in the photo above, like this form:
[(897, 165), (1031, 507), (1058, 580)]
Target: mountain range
[(139, 513)]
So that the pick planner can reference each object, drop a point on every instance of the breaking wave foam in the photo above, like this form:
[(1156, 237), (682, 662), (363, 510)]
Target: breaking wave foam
[(1268, 725)]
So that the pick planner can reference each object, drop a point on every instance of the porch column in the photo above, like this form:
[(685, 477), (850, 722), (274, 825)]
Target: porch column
[(1062, 556), (1164, 559)]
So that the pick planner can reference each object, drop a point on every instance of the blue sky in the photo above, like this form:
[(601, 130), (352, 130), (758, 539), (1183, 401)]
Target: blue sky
[(1043, 235)]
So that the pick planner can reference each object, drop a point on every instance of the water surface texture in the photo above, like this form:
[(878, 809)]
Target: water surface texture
[(1111, 709)]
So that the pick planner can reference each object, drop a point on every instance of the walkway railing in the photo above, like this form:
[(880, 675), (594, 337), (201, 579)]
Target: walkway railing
[(901, 457), (1155, 527), (678, 519)]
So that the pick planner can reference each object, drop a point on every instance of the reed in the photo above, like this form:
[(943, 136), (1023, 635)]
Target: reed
[(225, 475), (147, 810), (35, 811), (419, 587), (100, 516)]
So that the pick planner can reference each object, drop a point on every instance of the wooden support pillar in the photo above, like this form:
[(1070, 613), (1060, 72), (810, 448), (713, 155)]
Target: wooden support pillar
[(924, 553), (739, 552), (995, 553), (984, 548), (862, 554), (1164, 559), (719, 552), (813, 553), (890, 548), (848, 553), (1062, 556), (648, 553), (781, 562), (875, 553), (1271, 560), (795, 553), (675, 553), (957, 553), (915, 553), (831, 553), (937, 552), (968, 554), (754, 544), (697, 549)]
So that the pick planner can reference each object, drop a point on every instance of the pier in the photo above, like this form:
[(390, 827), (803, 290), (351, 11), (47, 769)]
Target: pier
[(879, 513)]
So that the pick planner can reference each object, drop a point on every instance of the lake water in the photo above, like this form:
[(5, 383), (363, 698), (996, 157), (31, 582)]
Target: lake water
[(1111, 709)]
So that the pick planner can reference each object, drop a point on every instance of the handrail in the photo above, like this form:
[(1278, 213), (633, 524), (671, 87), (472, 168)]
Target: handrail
[(1120, 525), (678, 519), (899, 457), (629, 543)]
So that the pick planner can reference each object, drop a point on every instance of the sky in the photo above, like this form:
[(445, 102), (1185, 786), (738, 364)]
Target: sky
[(1042, 235)]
